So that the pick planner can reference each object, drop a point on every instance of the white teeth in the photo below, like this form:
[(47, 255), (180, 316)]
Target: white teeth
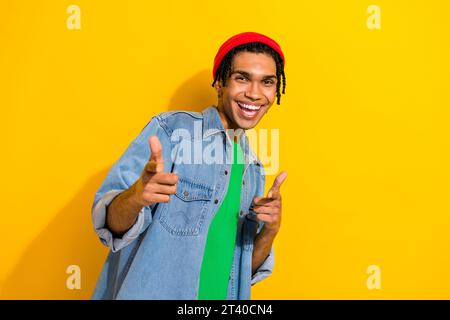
[(248, 106)]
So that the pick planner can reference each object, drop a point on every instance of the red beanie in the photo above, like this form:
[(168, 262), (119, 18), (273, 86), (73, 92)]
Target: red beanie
[(243, 38)]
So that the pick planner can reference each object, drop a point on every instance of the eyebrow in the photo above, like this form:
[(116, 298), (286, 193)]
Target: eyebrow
[(245, 73)]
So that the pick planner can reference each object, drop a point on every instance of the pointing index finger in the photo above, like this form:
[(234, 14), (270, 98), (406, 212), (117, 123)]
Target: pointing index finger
[(156, 158), (274, 191)]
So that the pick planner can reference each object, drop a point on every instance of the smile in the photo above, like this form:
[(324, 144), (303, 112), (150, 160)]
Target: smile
[(251, 107), (248, 111)]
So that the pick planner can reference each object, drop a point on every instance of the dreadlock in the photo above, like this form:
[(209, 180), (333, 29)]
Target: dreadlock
[(224, 69)]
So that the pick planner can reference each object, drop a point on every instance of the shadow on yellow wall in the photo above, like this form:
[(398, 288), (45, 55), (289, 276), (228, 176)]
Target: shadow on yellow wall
[(195, 93), (69, 239)]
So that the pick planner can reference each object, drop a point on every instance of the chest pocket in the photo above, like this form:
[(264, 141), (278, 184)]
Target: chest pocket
[(185, 213)]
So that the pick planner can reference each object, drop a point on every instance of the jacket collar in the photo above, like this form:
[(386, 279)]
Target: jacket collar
[(212, 123)]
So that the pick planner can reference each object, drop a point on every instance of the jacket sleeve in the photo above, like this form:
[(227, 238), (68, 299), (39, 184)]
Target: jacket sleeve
[(124, 173), (266, 268)]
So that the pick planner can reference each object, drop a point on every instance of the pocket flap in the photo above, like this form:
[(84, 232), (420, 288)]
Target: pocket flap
[(191, 190)]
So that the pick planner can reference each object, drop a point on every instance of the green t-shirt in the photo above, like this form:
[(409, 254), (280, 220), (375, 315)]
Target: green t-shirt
[(220, 242)]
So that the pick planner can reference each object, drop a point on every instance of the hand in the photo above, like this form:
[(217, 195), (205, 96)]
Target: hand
[(154, 185), (268, 209)]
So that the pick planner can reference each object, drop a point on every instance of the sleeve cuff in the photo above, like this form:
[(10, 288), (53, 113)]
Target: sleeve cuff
[(265, 269), (105, 235)]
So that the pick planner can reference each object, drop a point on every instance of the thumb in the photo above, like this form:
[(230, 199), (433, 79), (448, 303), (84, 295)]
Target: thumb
[(274, 191), (156, 157)]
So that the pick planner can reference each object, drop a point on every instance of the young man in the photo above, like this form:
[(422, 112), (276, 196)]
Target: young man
[(183, 209)]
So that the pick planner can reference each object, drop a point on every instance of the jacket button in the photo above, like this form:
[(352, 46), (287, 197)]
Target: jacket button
[(185, 193), (243, 182), (241, 213), (226, 172), (216, 201)]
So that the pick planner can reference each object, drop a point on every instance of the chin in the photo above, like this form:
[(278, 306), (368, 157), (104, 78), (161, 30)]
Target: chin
[(247, 126)]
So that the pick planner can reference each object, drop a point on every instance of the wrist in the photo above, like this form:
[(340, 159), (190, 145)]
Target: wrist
[(268, 233), (133, 197)]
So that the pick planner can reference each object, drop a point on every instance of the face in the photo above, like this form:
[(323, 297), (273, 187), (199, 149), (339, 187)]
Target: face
[(250, 90)]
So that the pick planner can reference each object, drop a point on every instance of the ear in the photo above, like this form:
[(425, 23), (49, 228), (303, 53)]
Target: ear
[(218, 87)]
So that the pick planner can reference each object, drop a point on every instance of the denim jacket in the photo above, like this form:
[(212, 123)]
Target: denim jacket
[(160, 256)]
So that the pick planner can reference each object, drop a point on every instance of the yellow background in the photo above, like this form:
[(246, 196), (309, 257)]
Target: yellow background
[(364, 131)]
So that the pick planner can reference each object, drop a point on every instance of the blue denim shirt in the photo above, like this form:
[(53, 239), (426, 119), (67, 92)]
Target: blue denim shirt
[(160, 256)]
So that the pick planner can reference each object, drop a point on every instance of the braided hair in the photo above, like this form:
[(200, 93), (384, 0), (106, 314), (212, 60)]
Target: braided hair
[(224, 69)]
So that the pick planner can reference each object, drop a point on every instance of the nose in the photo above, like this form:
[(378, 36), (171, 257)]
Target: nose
[(252, 91)]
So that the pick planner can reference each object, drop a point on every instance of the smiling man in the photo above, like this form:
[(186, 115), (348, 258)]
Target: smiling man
[(200, 229)]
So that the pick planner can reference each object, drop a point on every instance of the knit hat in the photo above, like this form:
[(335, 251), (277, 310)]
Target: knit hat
[(243, 38)]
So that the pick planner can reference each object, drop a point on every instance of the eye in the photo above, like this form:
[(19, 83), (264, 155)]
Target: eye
[(268, 82), (240, 78)]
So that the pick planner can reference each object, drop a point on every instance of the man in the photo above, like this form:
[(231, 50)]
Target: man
[(183, 209)]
